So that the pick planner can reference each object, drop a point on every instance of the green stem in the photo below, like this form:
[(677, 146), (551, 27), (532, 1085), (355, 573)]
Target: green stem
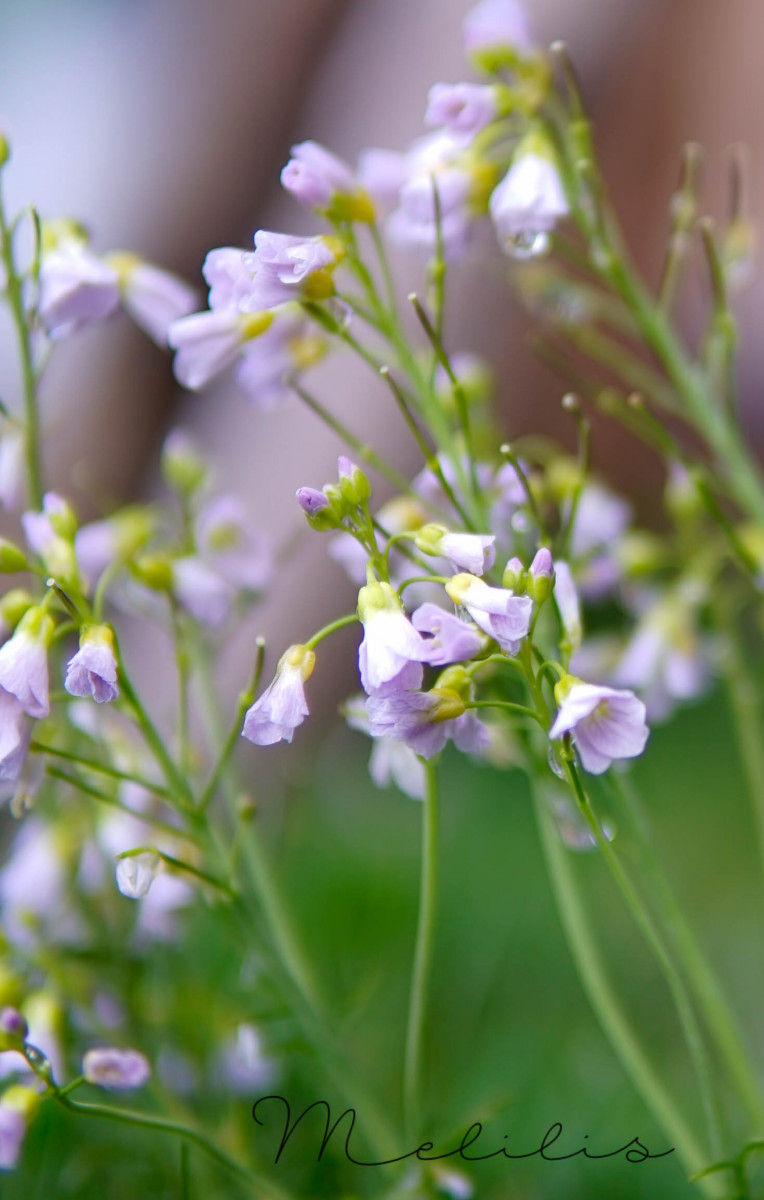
[(15, 297), (604, 999), (685, 1012), (745, 704), (332, 627), (719, 1016), (264, 1187), (179, 787), (93, 765), (420, 981)]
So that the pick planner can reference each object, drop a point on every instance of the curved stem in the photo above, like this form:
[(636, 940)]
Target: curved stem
[(264, 1187), (604, 999), (420, 980), (645, 923)]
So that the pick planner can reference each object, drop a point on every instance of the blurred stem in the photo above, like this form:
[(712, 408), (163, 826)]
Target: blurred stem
[(263, 1187), (719, 1017), (745, 704), (605, 1001), (420, 981), (645, 923), (15, 297), (178, 784)]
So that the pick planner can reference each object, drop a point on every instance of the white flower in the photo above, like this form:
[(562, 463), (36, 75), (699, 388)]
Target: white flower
[(391, 651), (282, 707), (24, 663), (605, 723), (498, 612), (154, 298), (76, 288), (566, 598), (207, 343), (528, 202)]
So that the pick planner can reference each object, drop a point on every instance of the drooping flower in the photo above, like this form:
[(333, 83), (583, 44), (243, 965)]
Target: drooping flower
[(605, 723), (76, 288), (426, 720), (117, 1070), (93, 669), (464, 108), (424, 198), (282, 706), (137, 872), (453, 640), (473, 552), (391, 653), (24, 662), (528, 203), (207, 343), (322, 181), (154, 298), (391, 761), (501, 614), (202, 591)]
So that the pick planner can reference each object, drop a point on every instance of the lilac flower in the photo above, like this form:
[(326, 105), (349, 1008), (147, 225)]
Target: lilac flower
[(282, 706), (101, 543), (243, 1064), (76, 288), (24, 663), (311, 501), (42, 528), (528, 203), (137, 872), (288, 268), (207, 343), (15, 732), (118, 1070), (152, 297), (510, 496), (202, 591), (13, 1024), (473, 552), (321, 181), (12, 469), (391, 650), (267, 361), (383, 173), (502, 615), (241, 555), (601, 518), (497, 24), (18, 1106), (228, 273), (425, 721), (464, 108), (414, 222), (605, 723), (665, 659), (566, 598), (93, 669), (452, 640)]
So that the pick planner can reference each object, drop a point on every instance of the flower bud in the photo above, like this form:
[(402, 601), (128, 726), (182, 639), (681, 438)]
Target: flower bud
[(449, 705), (320, 513), (514, 576), (454, 680), (183, 468), (5, 150), (13, 1029), (354, 485), (539, 582), (137, 872), (12, 558), (154, 571), (13, 605), (62, 517)]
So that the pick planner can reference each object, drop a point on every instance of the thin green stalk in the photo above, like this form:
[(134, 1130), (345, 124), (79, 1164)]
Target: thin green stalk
[(104, 798), (367, 453), (420, 981), (93, 765), (685, 1011), (745, 704), (179, 787), (604, 999), (720, 1019), (15, 297), (264, 1187)]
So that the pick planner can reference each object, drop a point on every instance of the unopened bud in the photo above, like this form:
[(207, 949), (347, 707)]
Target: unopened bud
[(13, 605), (514, 576), (154, 571), (539, 582), (12, 558), (183, 468), (13, 1028), (354, 485)]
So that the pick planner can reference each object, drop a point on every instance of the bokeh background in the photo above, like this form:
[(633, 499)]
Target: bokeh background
[(163, 125)]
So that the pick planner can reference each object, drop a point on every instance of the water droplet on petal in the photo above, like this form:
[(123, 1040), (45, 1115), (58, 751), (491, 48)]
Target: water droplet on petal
[(573, 829), (528, 244), (556, 766)]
